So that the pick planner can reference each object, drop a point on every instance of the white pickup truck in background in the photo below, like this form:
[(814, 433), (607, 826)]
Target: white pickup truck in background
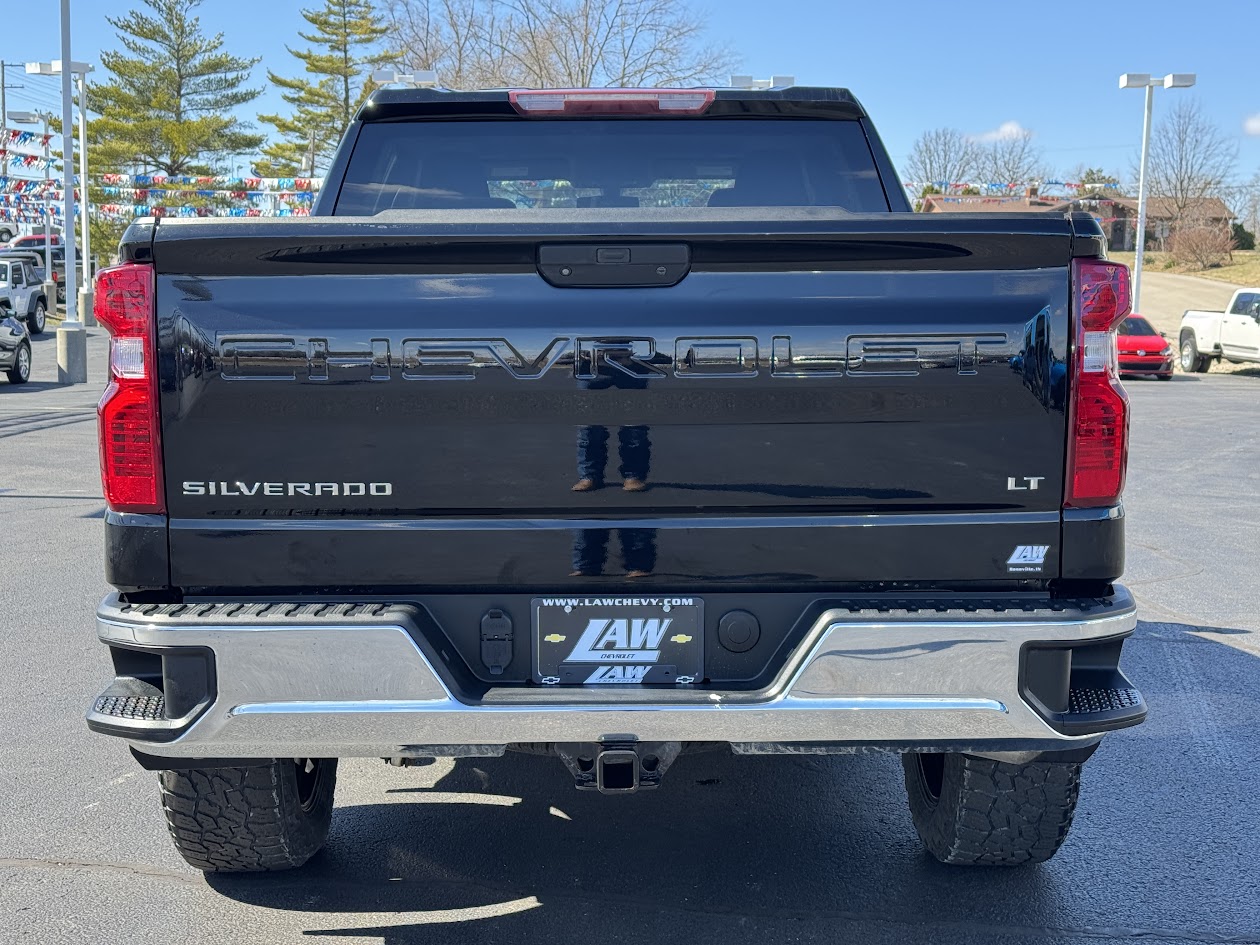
[(1233, 334)]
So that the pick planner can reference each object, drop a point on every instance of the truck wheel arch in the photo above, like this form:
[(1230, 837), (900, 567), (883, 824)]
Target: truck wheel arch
[(1196, 362)]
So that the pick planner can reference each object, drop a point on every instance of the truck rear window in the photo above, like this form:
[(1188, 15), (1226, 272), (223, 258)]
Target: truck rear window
[(566, 165)]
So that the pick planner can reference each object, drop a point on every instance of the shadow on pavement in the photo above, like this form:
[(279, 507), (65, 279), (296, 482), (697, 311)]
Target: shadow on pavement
[(30, 387), (815, 849)]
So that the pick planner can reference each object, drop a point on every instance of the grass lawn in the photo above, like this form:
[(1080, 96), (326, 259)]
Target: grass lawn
[(1244, 270)]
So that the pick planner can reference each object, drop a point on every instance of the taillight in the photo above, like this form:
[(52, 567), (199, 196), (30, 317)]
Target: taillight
[(131, 454), (1098, 436), (545, 102)]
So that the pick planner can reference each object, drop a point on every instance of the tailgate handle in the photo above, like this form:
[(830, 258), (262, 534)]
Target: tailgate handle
[(603, 266)]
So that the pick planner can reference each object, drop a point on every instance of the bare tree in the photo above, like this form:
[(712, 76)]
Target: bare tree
[(942, 157), (1189, 159), (557, 43), (1243, 198), (1200, 242), (453, 37), (1012, 159)]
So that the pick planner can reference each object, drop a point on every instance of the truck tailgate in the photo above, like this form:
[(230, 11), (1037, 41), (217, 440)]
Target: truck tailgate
[(821, 398)]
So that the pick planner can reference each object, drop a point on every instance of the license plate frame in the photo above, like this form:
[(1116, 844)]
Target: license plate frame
[(618, 640)]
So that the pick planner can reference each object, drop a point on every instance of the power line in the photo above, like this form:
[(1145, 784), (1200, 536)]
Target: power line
[(41, 101), (1091, 147), (39, 94)]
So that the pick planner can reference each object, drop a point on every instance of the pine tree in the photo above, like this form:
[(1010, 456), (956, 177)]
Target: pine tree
[(167, 106), (346, 39)]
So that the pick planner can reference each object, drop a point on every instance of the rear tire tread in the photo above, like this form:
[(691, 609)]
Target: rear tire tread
[(991, 813), (246, 819)]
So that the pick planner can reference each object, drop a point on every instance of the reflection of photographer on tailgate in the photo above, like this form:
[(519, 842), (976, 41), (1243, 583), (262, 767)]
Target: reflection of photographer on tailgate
[(634, 452), (634, 448)]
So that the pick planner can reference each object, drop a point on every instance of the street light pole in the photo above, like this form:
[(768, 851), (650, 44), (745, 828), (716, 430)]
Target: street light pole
[(1141, 221), (86, 298), (1143, 80), (79, 71), (71, 336)]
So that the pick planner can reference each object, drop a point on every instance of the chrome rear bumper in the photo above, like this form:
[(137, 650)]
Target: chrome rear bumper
[(302, 687)]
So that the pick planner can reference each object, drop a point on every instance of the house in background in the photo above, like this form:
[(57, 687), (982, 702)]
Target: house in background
[(951, 203), (1118, 217)]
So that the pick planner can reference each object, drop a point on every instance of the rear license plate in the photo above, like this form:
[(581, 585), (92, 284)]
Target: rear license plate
[(592, 641)]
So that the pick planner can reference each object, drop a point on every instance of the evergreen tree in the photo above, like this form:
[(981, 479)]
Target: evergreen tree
[(345, 40), (167, 106), (1095, 182)]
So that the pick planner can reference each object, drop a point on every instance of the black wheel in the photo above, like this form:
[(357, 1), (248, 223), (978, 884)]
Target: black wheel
[(976, 812), (272, 816), (61, 293), (38, 319), (20, 373), (1164, 377), (1191, 361)]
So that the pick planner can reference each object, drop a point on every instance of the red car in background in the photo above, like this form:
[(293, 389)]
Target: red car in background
[(1143, 350), (35, 240)]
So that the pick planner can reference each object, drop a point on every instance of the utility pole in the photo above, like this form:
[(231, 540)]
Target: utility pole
[(4, 110), (30, 118), (308, 166), (48, 261)]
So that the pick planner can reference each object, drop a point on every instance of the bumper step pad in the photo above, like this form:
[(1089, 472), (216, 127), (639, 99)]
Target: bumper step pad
[(132, 707), (1102, 707), (1091, 701), (148, 708)]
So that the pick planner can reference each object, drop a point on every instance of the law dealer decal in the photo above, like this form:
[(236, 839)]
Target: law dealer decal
[(1027, 559)]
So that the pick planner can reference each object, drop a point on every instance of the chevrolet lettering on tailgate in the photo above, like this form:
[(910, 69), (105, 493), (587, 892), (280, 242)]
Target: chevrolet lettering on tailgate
[(260, 358)]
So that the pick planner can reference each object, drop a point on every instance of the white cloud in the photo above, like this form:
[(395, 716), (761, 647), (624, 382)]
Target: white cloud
[(1251, 124), (1003, 132)]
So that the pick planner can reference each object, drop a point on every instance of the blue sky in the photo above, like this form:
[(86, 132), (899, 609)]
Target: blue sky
[(973, 65)]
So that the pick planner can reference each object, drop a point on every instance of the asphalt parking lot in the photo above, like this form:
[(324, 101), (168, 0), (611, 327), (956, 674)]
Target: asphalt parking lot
[(730, 850)]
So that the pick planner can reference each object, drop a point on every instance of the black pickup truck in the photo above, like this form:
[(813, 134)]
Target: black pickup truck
[(613, 424)]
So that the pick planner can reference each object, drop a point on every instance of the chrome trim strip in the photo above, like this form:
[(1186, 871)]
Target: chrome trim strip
[(860, 702), (565, 524), (1103, 514)]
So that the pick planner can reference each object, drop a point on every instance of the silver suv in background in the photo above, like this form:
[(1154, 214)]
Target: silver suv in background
[(22, 284)]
